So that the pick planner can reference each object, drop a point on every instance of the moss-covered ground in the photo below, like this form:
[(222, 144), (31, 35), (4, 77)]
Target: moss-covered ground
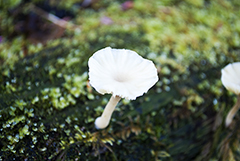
[(48, 108)]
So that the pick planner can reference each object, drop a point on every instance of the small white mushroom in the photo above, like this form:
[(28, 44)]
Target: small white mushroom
[(231, 80), (122, 73)]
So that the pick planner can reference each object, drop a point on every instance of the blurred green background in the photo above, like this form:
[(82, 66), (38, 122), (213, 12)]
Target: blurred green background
[(48, 108)]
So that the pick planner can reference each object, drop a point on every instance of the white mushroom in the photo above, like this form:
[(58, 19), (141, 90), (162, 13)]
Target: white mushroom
[(122, 73), (231, 80)]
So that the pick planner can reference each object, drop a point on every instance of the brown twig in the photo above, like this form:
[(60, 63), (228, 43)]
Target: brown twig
[(52, 18)]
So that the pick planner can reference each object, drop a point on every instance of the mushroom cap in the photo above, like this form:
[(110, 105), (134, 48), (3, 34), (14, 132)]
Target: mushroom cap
[(121, 72), (231, 77)]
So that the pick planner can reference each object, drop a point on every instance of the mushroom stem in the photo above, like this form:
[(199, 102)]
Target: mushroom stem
[(232, 112), (103, 121)]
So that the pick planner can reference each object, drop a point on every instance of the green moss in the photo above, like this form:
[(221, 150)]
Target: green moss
[(48, 108)]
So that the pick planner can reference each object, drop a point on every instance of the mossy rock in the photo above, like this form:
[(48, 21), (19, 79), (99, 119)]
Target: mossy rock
[(48, 108)]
